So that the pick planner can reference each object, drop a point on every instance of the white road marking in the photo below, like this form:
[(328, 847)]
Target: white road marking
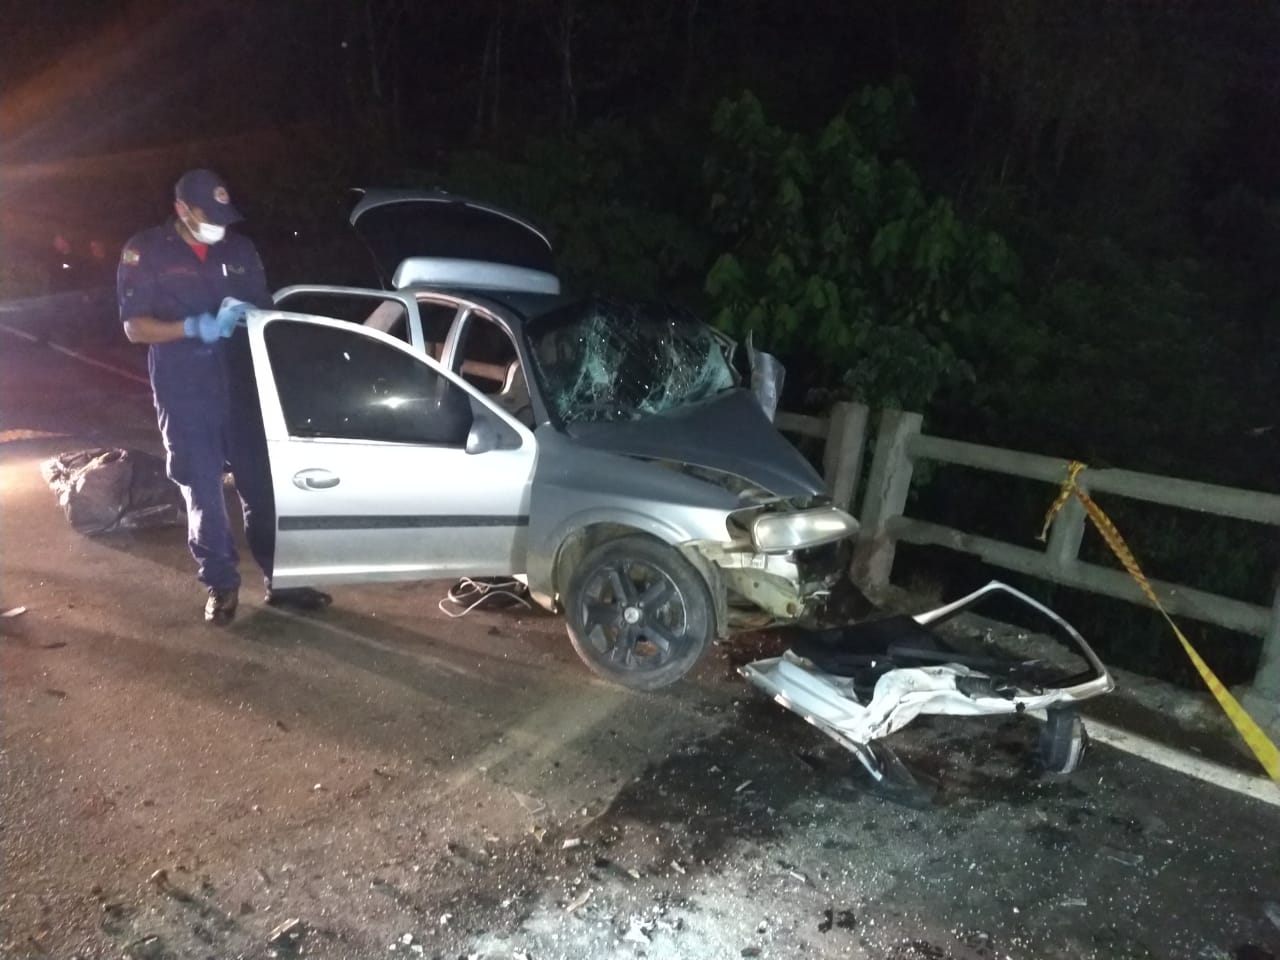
[(1249, 785), (110, 368), (76, 355), (19, 333)]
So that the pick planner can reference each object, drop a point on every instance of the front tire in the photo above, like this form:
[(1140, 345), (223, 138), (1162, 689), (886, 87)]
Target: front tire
[(638, 613)]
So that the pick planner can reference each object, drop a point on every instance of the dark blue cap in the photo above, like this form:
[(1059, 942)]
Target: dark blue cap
[(205, 189)]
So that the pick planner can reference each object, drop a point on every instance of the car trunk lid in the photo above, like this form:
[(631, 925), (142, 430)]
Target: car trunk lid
[(423, 226)]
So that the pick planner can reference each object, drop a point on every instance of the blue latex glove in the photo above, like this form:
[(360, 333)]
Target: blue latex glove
[(231, 314), (202, 325)]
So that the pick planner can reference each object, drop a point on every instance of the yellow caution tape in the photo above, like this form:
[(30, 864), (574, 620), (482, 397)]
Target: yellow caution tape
[(1249, 731), (7, 436)]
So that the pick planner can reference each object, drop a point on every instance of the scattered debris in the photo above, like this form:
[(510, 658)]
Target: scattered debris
[(1122, 856), (751, 951), (246, 908), (675, 865), (532, 805), (13, 612), (580, 901), (287, 934), (56, 645), (445, 918), (571, 843), (56, 693), (150, 947), (743, 785), (160, 878), (638, 931)]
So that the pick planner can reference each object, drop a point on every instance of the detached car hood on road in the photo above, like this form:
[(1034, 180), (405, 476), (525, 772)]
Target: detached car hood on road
[(728, 433)]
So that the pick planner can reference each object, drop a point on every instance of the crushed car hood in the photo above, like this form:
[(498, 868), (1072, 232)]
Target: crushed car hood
[(729, 433)]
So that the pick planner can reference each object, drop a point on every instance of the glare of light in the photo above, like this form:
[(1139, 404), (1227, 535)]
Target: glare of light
[(395, 403), (66, 266), (345, 355)]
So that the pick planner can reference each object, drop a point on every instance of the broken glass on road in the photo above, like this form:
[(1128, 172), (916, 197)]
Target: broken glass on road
[(600, 361)]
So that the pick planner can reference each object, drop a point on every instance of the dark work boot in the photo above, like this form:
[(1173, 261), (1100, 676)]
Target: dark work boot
[(220, 608)]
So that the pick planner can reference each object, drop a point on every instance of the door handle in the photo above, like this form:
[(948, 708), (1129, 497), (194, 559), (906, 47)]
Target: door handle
[(315, 479)]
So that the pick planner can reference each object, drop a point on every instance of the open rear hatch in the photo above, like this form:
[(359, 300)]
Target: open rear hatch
[(437, 238)]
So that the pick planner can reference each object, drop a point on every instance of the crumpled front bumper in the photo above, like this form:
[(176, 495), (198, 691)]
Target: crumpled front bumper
[(783, 586), (902, 693)]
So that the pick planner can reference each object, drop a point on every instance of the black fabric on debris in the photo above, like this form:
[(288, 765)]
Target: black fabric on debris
[(106, 489), (884, 644)]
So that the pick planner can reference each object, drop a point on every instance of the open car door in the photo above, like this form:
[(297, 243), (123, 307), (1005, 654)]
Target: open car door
[(384, 465)]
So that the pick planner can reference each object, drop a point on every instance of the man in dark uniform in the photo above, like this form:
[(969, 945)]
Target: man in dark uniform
[(183, 288)]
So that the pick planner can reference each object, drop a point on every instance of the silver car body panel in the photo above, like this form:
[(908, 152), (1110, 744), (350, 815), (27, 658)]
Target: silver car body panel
[(830, 704), (577, 489), (745, 445), (360, 511), (472, 275)]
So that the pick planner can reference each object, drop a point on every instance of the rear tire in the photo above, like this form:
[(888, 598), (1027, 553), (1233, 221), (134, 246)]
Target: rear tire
[(1063, 740), (638, 613)]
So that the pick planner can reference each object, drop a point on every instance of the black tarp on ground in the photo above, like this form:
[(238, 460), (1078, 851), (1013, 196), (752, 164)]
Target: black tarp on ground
[(108, 489)]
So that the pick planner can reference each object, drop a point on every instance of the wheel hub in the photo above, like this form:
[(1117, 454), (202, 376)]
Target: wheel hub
[(632, 615)]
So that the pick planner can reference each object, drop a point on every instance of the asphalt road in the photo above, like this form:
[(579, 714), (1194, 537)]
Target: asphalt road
[(380, 771)]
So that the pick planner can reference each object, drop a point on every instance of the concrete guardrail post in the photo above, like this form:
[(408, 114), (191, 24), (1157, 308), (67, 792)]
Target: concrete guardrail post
[(842, 456), (886, 498)]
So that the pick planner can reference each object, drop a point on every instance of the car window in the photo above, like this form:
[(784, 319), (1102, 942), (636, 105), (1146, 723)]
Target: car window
[(436, 318), (487, 359), (378, 313), (484, 354), (600, 361), (343, 383)]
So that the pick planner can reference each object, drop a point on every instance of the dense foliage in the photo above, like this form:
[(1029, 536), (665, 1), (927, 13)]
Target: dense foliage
[(1048, 226)]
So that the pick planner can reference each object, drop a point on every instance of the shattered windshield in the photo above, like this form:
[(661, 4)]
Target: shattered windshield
[(601, 361)]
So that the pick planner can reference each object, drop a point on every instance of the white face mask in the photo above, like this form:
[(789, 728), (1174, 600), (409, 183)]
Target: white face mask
[(209, 233), (204, 232)]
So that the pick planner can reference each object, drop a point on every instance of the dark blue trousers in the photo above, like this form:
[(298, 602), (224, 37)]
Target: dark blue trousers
[(205, 430)]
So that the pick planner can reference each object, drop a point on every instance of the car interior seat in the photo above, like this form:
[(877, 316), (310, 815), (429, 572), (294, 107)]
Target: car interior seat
[(514, 395)]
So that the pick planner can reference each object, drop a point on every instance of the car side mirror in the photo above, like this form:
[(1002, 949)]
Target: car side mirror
[(767, 376), (483, 436)]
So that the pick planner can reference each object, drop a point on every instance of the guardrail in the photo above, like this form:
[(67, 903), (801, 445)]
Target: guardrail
[(900, 444), (844, 433)]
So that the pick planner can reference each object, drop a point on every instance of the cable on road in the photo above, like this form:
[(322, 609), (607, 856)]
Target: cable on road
[(467, 594)]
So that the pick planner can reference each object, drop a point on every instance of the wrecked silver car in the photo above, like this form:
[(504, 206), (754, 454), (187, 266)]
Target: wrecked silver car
[(472, 421)]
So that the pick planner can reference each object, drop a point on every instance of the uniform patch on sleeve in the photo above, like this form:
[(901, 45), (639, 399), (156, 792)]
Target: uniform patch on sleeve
[(130, 257)]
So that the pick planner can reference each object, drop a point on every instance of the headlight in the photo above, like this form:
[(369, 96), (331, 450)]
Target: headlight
[(780, 532)]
